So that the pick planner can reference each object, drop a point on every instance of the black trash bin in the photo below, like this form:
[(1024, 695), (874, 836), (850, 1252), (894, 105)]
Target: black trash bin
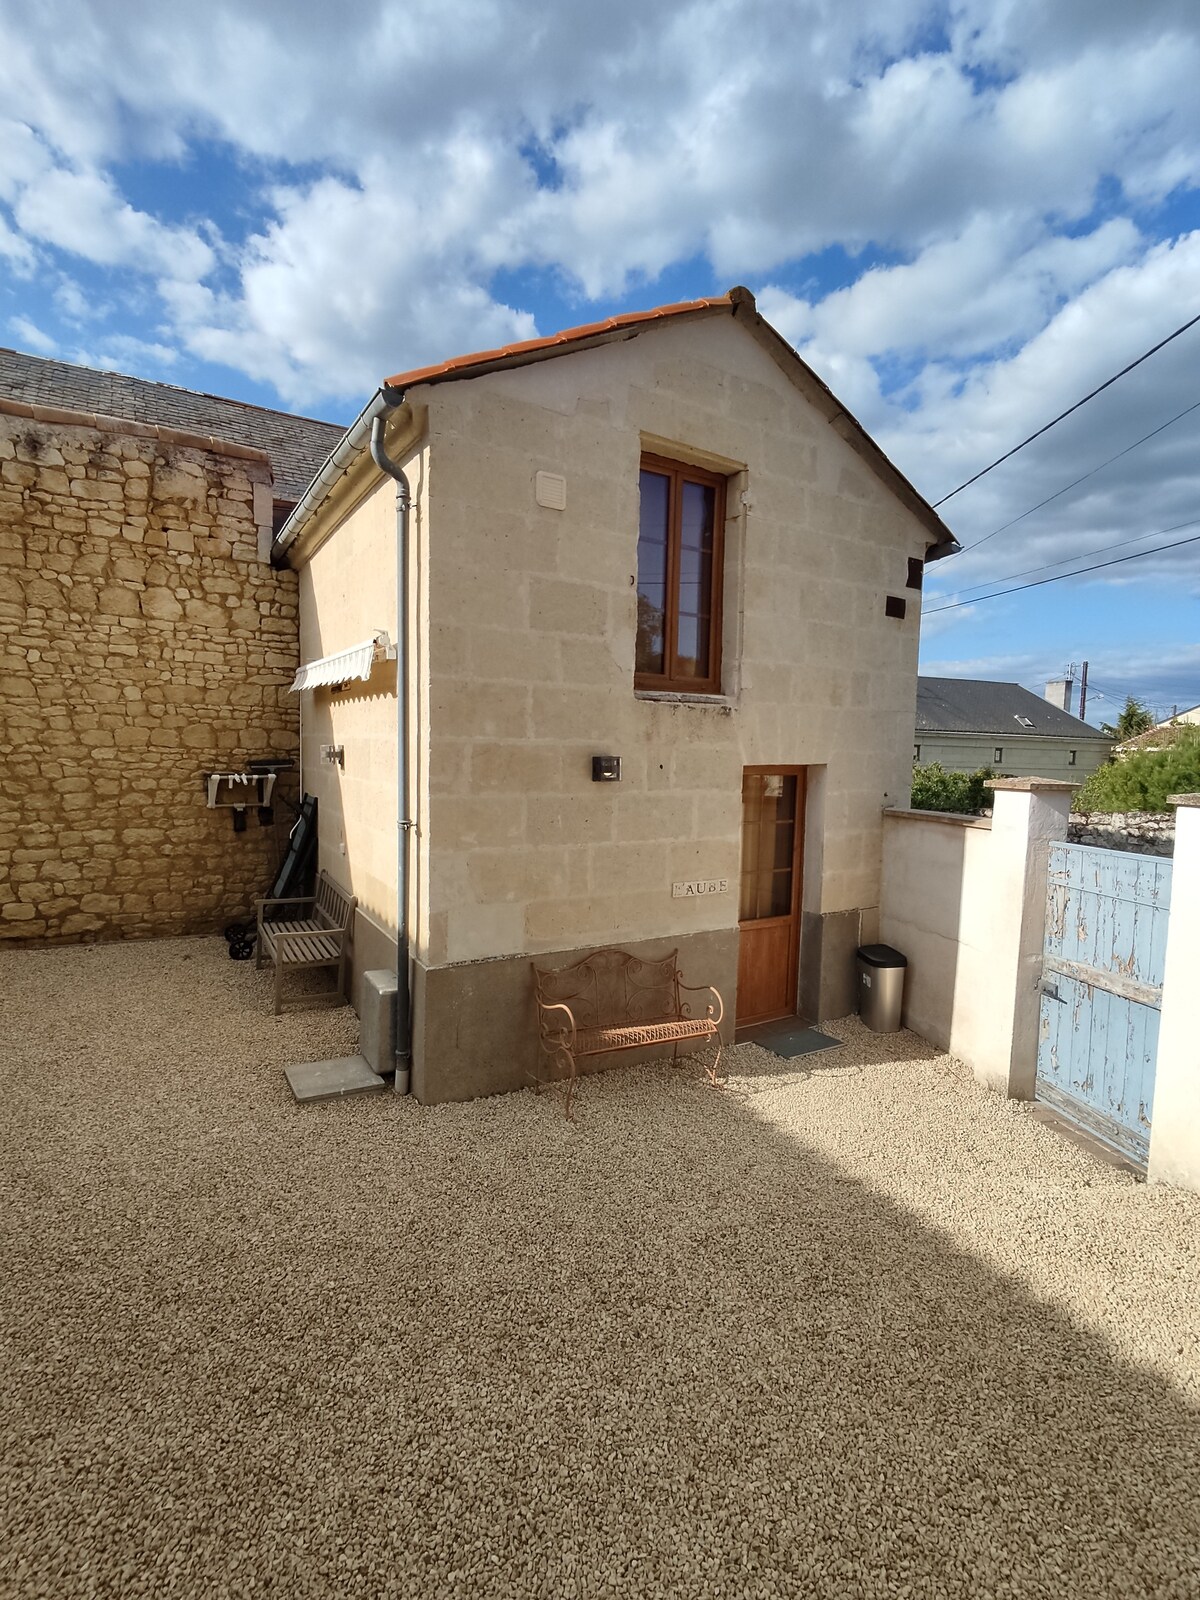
[(881, 986)]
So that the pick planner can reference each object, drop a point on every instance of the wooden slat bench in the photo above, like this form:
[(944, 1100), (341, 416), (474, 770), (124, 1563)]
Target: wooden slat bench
[(313, 932), (614, 1001)]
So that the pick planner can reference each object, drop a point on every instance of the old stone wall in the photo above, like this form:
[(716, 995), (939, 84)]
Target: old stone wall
[(1148, 833), (144, 640)]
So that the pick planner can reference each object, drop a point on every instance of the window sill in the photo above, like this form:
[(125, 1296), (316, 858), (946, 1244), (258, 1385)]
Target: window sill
[(719, 702)]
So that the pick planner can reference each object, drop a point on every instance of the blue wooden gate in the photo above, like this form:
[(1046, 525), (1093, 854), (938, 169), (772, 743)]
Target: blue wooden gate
[(1106, 937)]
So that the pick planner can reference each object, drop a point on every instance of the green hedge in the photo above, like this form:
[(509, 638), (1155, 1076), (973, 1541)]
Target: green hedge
[(1142, 782), (935, 789)]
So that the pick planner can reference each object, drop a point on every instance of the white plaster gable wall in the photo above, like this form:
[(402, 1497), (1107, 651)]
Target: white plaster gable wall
[(347, 592), (531, 645)]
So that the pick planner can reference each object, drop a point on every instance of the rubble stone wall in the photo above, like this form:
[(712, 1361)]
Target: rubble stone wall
[(1149, 833), (144, 641)]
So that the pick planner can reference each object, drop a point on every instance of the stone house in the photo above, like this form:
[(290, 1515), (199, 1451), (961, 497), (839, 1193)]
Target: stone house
[(658, 540), (145, 642), (966, 724)]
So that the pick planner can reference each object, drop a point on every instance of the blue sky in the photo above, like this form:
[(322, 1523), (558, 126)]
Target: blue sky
[(964, 215)]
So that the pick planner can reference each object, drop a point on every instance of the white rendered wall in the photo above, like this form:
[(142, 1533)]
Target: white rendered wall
[(965, 901)]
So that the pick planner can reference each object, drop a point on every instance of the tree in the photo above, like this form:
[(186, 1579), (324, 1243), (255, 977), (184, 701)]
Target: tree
[(1143, 781), (935, 789), (1136, 718)]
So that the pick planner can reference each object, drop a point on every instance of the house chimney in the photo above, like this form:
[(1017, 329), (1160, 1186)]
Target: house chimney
[(1060, 692)]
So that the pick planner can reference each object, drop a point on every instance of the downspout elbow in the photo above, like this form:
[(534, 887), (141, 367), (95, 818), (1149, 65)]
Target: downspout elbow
[(383, 461)]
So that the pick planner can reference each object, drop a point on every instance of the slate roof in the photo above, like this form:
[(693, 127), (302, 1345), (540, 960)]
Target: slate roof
[(297, 446), (977, 705)]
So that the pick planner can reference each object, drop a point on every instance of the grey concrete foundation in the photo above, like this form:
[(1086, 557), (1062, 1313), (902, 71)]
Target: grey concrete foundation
[(475, 1029), (828, 977)]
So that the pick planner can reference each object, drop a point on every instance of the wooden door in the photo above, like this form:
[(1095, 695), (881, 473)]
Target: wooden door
[(769, 907), (1102, 974)]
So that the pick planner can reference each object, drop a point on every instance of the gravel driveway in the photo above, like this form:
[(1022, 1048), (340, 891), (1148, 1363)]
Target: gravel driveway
[(853, 1330)]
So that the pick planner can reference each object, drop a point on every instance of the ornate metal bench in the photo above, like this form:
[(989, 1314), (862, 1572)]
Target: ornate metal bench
[(314, 932), (613, 1001)]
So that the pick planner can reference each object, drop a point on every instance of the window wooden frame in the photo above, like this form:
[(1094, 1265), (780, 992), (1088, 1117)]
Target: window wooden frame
[(670, 680)]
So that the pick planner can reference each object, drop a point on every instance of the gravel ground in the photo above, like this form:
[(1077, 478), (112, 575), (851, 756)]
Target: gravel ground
[(851, 1328)]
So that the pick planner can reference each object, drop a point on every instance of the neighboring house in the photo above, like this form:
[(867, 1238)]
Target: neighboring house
[(145, 642), (658, 540), (1162, 736), (964, 724)]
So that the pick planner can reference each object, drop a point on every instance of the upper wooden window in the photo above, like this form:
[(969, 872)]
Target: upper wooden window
[(680, 558)]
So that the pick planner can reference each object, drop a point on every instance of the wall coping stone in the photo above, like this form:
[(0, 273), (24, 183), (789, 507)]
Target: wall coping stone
[(1183, 799), (62, 417), (957, 819), (1033, 785)]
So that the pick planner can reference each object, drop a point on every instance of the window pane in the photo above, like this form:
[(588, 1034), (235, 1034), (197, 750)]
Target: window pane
[(694, 592), (785, 840), (652, 573), (781, 895), (768, 841)]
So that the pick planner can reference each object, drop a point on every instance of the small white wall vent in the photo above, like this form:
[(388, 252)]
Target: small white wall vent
[(550, 490)]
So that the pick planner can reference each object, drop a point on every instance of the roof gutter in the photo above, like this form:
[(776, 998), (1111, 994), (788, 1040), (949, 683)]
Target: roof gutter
[(337, 463)]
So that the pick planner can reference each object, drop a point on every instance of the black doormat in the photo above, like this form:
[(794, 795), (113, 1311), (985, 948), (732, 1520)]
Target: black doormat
[(790, 1036)]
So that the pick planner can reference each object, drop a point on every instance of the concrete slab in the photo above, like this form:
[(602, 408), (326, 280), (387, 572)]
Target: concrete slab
[(330, 1080), (789, 1037)]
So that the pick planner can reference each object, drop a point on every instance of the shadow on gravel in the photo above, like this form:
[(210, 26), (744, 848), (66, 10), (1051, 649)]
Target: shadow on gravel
[(370, 1349)]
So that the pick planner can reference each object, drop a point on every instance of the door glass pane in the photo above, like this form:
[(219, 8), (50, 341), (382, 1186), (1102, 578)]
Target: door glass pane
[(768, 845), (697, 520), (652, 573), (751, 804)]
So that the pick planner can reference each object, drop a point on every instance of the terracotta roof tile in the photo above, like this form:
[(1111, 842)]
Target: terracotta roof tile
[(531, 347)]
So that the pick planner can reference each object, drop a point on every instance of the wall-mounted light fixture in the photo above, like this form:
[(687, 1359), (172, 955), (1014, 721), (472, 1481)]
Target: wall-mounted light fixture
[(606, 769)]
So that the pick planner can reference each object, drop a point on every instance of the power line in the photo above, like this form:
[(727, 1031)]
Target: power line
[(1064, 414), (1117, 561), (1077, 481), (1083, 555)]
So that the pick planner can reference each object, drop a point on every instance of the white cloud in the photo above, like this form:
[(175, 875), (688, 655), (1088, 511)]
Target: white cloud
[(83, 214), (395, 163), (1160, 675), (32, 337), (995, 282)]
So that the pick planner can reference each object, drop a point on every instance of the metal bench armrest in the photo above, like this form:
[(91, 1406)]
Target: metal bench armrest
[(545, 1007), (707, 988)]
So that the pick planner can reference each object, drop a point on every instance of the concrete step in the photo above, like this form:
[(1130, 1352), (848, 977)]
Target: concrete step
[(330, 1080)]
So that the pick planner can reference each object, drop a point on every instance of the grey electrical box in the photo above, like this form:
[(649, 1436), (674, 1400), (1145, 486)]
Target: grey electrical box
[(377, 1025)]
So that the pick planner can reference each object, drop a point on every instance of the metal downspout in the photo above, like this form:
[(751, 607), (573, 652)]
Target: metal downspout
[(404, 822)]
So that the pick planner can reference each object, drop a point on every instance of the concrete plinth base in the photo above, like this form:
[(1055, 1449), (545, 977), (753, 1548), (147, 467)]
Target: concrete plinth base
[(329, 1080)]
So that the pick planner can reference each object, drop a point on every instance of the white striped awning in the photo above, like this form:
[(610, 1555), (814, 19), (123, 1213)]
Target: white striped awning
[(356, 662)]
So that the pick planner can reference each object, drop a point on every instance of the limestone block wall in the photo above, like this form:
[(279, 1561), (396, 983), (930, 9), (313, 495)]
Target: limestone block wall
[(144, 639), (531, 661)]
